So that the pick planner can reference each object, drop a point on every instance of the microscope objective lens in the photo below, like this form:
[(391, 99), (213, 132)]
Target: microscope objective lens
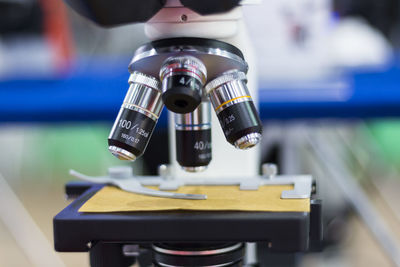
[(235, 109), (182, 78), (137, 117), (193, 138)]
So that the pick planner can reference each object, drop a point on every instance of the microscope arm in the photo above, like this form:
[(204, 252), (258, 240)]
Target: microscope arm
[(112, 13)]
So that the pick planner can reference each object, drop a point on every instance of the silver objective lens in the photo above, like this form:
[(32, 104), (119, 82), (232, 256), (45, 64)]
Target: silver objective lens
[(182, 78), (137, 117), (235, 109), (193, 138)]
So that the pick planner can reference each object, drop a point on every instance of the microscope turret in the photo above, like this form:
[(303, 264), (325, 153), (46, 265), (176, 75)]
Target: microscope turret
[(186, 92), (184, 69)]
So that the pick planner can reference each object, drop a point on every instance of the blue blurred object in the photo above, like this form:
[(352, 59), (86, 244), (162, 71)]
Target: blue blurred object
[(95, 91), (368, 95)]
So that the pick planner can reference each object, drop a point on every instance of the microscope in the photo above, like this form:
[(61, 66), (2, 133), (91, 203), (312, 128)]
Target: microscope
[(188, 69), (199, 59)]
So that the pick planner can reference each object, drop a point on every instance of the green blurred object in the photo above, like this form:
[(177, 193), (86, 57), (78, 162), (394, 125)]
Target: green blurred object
[(387, 136), (54, 150)]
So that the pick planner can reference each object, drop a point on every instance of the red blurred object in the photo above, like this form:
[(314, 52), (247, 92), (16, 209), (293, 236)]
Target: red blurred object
[(58, 34)]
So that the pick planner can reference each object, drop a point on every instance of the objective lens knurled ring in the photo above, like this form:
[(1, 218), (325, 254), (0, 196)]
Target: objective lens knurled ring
[(147, 80), (188, 62), (226, 77)]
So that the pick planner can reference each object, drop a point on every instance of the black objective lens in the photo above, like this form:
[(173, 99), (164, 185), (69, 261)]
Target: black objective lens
[(137, 118), (182, 80), (235, 109), (193, 138), (191, 255)]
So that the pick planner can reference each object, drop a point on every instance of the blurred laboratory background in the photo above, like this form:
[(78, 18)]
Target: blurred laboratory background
[(329, 93)]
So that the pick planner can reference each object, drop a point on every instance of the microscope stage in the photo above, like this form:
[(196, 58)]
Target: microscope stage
[(283, 231), (219, 198)]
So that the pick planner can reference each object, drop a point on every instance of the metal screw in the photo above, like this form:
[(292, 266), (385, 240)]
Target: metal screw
[(269, 169), (164, 170), (184, 18)]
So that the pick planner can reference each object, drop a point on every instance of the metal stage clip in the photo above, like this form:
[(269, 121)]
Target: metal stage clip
[(123, 178)]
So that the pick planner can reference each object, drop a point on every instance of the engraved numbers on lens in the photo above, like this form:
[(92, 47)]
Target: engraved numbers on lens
[(193, 138), (125, 124), (137, 117), (189, 82), (130, 138), (229, 119), (182, 78), (142, 132), (201, 145), (235, 109)]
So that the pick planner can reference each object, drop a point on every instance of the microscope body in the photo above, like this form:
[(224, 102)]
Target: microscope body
[(193, 60), (175, 21), (200, 59)]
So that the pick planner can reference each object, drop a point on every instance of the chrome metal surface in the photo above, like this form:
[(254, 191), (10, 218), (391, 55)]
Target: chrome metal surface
[(120, 172), (165, 171), (141, 78), (133, 107), (226, 77), (199, 119), (218, 265), (131, 250), (121, 153), (197, 252), (227, 90), (134, 186), (187, 65), (302, 189), (149, 59), (143, 96), (248, 141), (302, 183), (195, 169), (144, 93), (269, 170)]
